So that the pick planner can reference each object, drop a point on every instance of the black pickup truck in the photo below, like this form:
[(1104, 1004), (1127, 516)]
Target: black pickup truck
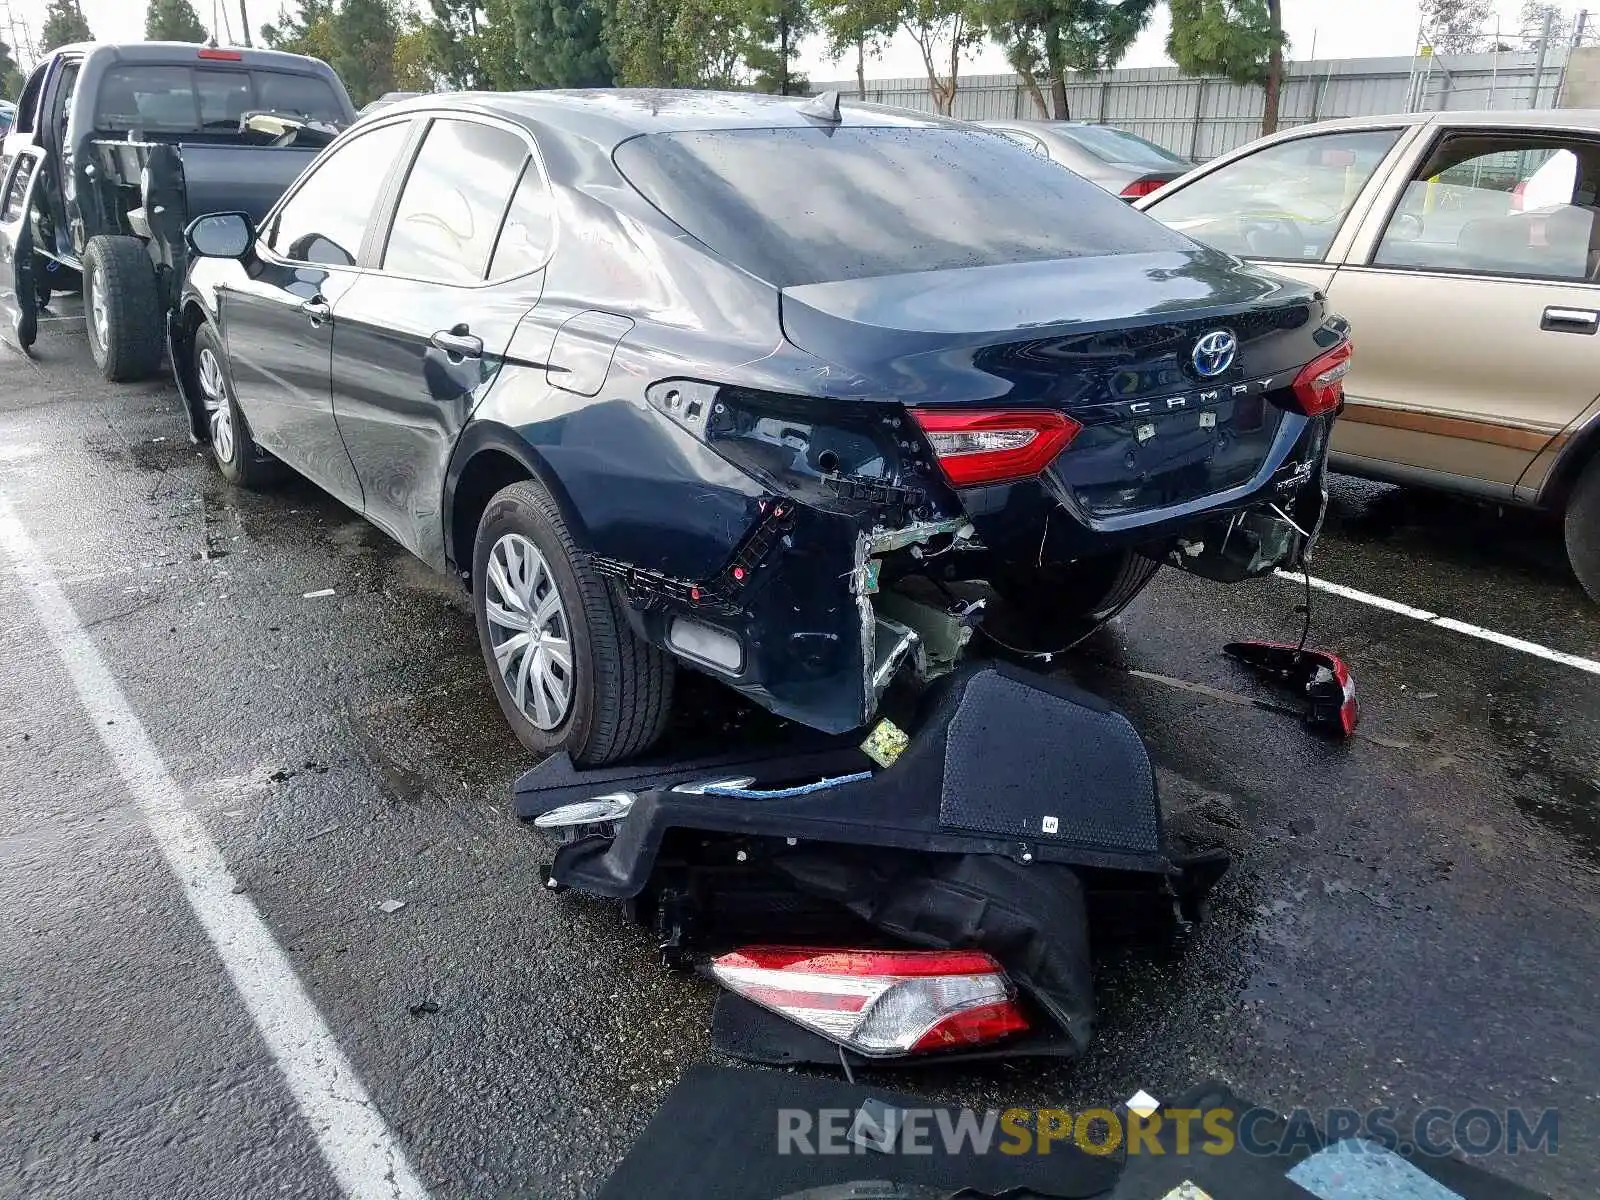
[(116, 147)]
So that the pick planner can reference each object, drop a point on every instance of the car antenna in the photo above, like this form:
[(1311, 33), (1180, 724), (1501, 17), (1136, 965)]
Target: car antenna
[(823, 108)]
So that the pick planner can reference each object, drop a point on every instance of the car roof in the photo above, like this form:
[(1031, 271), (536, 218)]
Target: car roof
[(1545, 118), (612, 115), (164, 53)]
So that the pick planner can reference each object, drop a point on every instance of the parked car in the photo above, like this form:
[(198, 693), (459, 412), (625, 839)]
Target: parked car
[(116, 147), (1117, 160), (1464, 249), (592, 353)]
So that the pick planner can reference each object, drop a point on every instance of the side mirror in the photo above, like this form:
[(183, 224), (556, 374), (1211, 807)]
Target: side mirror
[(220, 235)]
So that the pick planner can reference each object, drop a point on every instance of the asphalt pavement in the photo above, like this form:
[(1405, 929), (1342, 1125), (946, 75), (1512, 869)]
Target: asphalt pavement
[(1409, 921)]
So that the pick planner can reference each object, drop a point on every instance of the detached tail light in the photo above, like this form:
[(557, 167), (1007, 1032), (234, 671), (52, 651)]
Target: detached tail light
[(1142, 187), (1319, 388), (984, 446), (881, 1004)]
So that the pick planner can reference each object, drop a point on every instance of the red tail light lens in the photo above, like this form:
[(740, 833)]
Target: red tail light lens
[(1319, 388), (221, 55), (984, 446), (1142, 187), (879, 1003)]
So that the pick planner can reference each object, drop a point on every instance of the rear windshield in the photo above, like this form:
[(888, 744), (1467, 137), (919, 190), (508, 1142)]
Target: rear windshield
[(1118, 146), (175, 99), (798, 206)]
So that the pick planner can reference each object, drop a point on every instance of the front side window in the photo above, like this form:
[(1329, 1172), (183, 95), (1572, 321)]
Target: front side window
[(28, 102), (326, 218), (453, 202), (1284, 202), (1499, 204)]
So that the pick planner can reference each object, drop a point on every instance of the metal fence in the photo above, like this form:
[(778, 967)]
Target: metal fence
[(1203, 117)]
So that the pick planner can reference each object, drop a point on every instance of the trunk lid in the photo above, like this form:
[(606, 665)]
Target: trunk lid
[(1113, 342)]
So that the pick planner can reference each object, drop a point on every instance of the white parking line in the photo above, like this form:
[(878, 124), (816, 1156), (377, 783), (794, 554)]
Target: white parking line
[(1433, 618), (359, 1149)]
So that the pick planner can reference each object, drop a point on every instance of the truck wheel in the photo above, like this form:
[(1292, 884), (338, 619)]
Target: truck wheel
[(234, 451), (1054, 607), (1583, 529), (122, 305), (568, 670)]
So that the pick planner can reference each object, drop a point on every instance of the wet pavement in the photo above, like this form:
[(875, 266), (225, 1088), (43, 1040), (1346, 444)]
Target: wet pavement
[(1410, 919)]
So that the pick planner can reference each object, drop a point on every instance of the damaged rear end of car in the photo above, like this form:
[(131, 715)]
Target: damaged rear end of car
[(962, 413)]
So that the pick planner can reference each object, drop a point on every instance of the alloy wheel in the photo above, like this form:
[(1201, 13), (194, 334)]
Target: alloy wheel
[(99, 311), (219, 412), (529, 631)]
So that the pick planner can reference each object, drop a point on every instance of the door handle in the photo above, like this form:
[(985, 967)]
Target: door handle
[(317, 309), (458, 343), (1570, 320)]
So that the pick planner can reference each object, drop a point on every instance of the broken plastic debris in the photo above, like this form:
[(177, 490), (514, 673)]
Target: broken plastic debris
[(885, 743), (423, 1007), (317, 595), (391, 906)]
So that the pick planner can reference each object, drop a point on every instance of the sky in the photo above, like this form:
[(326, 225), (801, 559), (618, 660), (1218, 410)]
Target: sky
[(1330, 28)]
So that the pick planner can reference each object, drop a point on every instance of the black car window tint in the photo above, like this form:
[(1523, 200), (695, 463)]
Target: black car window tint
[(150, 97), (223, 96), (798, 206), (326, 219), (303, 95), (529, 228), (453, 200)]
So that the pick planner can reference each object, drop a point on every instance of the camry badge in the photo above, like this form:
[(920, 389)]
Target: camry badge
[(1213, 353)]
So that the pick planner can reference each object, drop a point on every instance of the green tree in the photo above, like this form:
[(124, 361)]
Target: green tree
[(944, 33), (1455, 26), (675, 43), (64, 24), (11, 77), (413, 60), (1050, 37), (364, 37), (1239, 39), (561, 43), (772, 33), (472, 44), (173, 21), (862, 27), (308, 30)]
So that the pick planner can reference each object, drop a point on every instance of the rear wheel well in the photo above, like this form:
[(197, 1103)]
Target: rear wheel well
[(484, 475)]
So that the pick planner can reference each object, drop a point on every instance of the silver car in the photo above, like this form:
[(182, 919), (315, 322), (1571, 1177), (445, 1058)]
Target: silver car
[(1117, 160)]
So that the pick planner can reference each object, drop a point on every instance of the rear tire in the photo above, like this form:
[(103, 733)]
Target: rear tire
[(1052, 608), (122, 308), (611, 697), (233, 449), (1583, 529)]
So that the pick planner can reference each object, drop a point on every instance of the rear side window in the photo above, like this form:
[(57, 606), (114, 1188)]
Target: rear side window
[(325, 220), (526, 237), (1118, 146), (178, 99), (798, 206), (453, 202)]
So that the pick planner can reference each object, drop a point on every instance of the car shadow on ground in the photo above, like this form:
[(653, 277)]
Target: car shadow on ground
[(1450, 530)]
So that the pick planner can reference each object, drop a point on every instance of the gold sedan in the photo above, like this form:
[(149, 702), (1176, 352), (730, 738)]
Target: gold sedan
[(1465, 250)]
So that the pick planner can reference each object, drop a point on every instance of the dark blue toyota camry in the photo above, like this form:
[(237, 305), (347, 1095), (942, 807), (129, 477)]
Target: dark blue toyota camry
[(799, 395)]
